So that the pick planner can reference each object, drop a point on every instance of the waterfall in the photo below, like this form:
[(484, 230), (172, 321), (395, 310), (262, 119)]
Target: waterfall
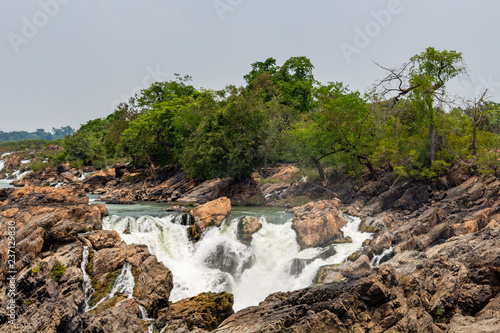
[(144, 315), (87, 283), (220, 262), (124, 284), (384, 256)]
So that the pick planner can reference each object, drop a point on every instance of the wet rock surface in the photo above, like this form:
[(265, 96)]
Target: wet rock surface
[(203, 313), (210, 214), (318, 223)]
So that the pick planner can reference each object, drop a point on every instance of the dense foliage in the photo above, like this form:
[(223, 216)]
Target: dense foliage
[(282, 114)]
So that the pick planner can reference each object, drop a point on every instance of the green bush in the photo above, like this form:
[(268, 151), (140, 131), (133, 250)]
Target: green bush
[(58, 271), (37, 165)]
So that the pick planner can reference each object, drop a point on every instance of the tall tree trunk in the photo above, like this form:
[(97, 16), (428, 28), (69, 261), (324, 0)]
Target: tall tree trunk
[(320, 169), (368, 164), (432, 139), (474, 138)]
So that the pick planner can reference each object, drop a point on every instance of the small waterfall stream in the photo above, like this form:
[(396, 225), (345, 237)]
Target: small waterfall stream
[(124, 285), (87, 283), (384, 256)]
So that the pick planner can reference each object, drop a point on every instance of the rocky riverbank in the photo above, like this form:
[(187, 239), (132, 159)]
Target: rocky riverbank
[(439, 245), (444, 276), (55, 230)]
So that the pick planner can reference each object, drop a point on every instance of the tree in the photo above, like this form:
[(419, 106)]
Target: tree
[(424, 80), (228, 142), (342, 126), (292, 83), (479, 111)]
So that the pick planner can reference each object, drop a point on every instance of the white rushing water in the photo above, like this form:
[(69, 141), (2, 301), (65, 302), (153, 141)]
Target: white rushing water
[(124, 284), (220, 262), (87, 283), (375, 261)]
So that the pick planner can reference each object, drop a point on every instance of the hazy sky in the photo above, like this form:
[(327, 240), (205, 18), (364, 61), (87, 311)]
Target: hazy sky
[(64, 62)]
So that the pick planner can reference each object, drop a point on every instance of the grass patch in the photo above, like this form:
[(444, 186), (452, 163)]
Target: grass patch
[(440, 311)]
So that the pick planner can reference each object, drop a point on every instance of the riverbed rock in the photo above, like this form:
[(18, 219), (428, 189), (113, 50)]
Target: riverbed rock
[(286, 173), (210, 214), (68, 177), (247, 226), (205, 311), (318, 223)]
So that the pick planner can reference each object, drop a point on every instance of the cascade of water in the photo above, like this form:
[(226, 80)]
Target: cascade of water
[(87, 283), (220, 262), (82, 176), (124, 284), (144, 315), (376, 260), (2, 164), (17, 174)]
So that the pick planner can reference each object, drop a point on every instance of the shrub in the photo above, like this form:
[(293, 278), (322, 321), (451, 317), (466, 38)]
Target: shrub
[(57, 271)]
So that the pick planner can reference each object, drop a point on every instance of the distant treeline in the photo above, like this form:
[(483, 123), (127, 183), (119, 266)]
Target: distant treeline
[(39, 134)]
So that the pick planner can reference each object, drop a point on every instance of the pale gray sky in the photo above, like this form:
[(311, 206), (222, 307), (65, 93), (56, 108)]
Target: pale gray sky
[(64, 62)]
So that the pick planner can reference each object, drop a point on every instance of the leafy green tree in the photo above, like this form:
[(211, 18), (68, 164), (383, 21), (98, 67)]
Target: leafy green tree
[(230, 141), (424, 80), (342, 126), (292, 83), (429, 73), (149, 140)]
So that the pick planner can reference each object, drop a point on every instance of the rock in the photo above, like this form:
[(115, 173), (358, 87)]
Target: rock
[(247, 226), (121, 317), (381, 242), (205, 311), (241, 193), (318, 223), (360, 267), (336, 273), (62, 168), (99, 178), (286, 173), (68, 177), (223, 258), (210, 214), (120, 169), (104, 239), (477, 221)]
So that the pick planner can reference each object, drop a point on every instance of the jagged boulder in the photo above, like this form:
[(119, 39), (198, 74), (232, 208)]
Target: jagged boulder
[(210, 214), (318, 223), (247, 226), (205, 311), (286, 173)]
